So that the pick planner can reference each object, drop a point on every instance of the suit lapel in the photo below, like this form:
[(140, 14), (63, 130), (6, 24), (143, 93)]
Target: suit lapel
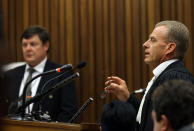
[(19, 77), (43, 79), (41, 84), (147, 102)]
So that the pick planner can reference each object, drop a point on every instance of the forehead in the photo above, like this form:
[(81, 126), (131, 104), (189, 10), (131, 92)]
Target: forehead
[(34, 38), (159, 32)]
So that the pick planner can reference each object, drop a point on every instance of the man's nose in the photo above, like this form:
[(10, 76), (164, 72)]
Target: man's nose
[(146, 44), (28, 47)]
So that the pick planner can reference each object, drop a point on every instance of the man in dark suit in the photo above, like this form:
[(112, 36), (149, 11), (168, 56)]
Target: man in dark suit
[(164, 52), (173, 104), (60, 105)]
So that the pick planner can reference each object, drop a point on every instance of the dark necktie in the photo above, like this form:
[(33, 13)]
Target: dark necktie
[(29, 88)]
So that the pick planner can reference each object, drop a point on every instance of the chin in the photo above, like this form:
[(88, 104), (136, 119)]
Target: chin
[(146, 61), (30, 62)]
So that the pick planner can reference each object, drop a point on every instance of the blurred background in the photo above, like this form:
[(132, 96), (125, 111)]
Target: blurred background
[(107, 34)]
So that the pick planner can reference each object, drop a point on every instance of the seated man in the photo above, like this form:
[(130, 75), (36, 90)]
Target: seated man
[(60, 105), (173, 105), (118, 116)]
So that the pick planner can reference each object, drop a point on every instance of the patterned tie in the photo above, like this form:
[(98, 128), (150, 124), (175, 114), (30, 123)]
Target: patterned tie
[(29, 88)]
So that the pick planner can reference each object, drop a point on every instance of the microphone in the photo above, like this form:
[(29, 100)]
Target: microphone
[(67, 67), (88, 102), (57, 70), (79, 66), (38, 97)]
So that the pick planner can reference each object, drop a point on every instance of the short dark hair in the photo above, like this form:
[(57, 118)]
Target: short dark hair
[(118, 115), (177, 33), (36, 30), (175, 100)]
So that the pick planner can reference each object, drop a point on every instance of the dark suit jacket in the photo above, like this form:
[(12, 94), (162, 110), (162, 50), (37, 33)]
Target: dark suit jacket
[(60, 105), (189, 127), (174, 71)]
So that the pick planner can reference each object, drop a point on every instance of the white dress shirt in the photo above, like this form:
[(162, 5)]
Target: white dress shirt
[(157, 71), (38, 69)]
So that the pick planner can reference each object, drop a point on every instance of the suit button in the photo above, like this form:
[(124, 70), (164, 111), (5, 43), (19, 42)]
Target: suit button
[(7, 101), (50, 96)]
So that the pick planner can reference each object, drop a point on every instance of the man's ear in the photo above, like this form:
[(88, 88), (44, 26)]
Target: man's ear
[(171, 48), (46, 45), (169, 52), (165, 124)]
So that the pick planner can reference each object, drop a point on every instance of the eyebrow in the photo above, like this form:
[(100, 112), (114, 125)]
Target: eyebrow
[(152, 37)]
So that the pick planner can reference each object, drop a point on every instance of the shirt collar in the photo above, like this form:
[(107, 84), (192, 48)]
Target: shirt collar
[(160, 68), (40, 67)]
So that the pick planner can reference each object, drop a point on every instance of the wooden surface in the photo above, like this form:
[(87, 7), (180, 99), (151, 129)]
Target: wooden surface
[(16, 125)]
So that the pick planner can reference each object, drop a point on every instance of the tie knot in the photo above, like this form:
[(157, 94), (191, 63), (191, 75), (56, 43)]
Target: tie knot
[(31, 70)]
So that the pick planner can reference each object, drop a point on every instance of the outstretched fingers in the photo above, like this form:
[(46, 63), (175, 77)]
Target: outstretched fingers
[(118, 87)]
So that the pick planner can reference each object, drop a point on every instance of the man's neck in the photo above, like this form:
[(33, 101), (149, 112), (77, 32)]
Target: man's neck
[(35, 64)]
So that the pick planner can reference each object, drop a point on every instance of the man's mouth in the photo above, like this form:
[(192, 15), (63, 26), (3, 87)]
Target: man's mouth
[(29, 55), (146, 54)]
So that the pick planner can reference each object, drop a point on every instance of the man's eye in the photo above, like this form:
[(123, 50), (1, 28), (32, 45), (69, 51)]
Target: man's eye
[(153, 40), (33, 44), (24, 45)]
